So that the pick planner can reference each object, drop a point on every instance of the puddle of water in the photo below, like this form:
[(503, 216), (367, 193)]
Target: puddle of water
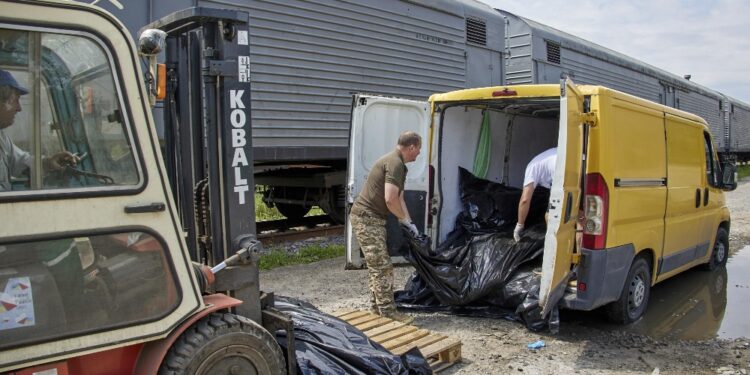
[(699, 305), (735, 323)]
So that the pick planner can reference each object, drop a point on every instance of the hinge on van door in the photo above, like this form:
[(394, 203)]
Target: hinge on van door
[(589, 118)]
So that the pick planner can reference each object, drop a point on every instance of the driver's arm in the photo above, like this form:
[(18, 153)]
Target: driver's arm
[(59, 160)]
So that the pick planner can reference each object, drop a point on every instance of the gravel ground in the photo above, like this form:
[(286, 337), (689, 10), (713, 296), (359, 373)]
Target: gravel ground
[(497, 346)]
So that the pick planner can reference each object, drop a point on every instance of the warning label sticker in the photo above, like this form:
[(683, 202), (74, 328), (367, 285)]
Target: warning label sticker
[(243, 67), (17, 304), (242, 37)]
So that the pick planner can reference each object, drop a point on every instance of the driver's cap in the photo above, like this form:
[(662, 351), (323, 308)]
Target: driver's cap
[(7, 79)]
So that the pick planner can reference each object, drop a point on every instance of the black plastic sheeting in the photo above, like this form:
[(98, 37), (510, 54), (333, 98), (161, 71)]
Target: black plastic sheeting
[(325, 344), (479, 270)]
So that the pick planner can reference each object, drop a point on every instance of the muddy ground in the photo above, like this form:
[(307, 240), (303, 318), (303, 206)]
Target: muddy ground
[(682, 334)]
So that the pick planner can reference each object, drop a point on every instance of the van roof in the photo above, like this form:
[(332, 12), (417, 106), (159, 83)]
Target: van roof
[(601, 90), (550, 91), (498, 92)]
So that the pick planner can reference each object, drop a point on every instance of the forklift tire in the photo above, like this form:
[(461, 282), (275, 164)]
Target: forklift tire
[(720, 251), (224, 344), (634, 296)]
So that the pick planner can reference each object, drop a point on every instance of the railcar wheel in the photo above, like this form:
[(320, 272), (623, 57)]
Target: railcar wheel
[(224, 344), (292, 211), (333, 204)]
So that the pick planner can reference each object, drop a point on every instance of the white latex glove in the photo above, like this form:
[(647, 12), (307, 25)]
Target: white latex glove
[(410, 227), (517, 232)]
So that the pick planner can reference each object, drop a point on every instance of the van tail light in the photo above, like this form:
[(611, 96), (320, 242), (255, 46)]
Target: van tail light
[(504, 92), (596, 207)]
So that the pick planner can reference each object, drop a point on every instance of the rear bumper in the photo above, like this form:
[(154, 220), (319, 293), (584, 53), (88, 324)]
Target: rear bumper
[(604, 273)]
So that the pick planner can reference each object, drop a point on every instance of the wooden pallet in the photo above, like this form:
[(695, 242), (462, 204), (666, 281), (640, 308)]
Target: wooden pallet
[(440, 351)]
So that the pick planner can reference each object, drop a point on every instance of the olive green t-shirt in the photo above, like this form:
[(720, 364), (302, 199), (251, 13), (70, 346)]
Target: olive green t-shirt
[(389, 168)]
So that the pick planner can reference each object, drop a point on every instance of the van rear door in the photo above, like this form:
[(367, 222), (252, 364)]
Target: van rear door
[(376, 125), (565, 196)]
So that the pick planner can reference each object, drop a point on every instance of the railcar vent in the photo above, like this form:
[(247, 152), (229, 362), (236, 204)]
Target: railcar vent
[(476, 31), (553, 52)]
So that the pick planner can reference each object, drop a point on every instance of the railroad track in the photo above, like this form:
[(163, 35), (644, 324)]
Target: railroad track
[(286, 230)]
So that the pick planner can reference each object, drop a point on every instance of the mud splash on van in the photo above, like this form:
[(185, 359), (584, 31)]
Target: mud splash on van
[(700, 305)]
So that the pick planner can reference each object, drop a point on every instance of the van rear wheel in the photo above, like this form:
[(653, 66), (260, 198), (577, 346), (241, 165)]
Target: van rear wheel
[(634, 296), (720, 251)]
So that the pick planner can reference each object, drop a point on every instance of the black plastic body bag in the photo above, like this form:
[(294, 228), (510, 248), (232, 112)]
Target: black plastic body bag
[(480, 270), (325, 344)]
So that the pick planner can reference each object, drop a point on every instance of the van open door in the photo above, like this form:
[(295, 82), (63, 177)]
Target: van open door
[(565, 195), (376, 125)]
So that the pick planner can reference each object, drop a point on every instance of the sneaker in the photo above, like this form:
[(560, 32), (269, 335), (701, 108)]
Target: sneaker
[(401, 317)]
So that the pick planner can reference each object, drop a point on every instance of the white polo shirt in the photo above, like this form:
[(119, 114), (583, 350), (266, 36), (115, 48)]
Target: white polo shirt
[(541, 169)]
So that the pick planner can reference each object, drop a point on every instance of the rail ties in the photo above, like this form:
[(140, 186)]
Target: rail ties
[(288, 230)]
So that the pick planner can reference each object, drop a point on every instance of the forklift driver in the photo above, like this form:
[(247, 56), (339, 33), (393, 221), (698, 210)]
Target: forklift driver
[(13, 160)]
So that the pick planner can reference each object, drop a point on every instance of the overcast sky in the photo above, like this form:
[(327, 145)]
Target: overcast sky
[(708, 39)]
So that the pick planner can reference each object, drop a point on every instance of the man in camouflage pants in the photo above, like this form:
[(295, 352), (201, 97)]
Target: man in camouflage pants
[(383, 193)]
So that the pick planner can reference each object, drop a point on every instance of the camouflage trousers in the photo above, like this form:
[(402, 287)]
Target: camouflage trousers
[(371, 235)]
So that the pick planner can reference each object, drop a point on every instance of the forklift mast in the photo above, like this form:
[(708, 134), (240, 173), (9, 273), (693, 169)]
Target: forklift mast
[(207, 132)]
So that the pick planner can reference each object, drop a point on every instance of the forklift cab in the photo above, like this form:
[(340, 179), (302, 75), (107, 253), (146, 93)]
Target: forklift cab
[(96, 273), (89, 253)]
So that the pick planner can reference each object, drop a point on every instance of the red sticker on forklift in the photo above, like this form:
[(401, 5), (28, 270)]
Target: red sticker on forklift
[(17, 304)]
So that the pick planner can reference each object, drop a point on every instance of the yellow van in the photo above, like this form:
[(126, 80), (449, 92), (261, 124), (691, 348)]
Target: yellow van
[(642, 180)]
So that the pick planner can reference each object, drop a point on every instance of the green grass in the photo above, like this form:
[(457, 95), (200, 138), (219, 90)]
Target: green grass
[(279, 257), (313, 253), (263, 213), (743, 171)]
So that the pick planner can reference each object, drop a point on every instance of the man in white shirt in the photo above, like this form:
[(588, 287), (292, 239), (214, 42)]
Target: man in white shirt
[(539, 172), (13, 160)]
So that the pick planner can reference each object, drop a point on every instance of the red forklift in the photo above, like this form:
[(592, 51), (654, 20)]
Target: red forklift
[(140, 257)]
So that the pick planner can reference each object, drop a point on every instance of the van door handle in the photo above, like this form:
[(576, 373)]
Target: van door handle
[(146, 207), (697, 198), (705, 197)]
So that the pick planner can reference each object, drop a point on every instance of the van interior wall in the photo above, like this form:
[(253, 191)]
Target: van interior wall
[(458, 140), (531, 136)]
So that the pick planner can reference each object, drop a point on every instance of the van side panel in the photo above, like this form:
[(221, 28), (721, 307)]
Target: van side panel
[(637, 175), (628, 148), (684, 197)]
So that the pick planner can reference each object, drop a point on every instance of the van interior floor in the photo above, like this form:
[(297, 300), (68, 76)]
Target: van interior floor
[(440, 351)]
